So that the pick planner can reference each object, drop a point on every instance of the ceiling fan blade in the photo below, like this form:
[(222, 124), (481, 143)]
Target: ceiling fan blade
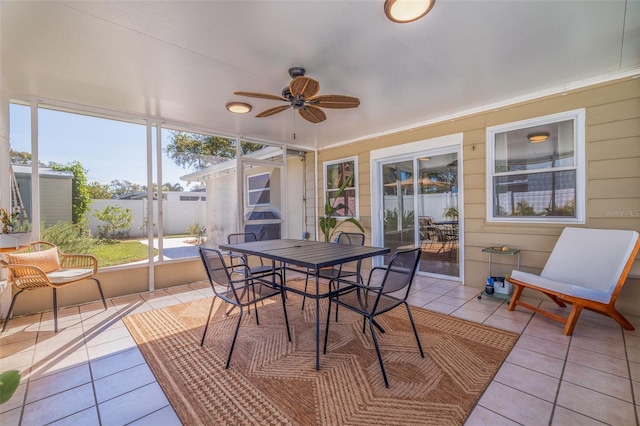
[(274, 110), (261, 96), (312, 114), (334, 101), (304, 86)]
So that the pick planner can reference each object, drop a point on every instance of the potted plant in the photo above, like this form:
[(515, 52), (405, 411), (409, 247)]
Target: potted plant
[(328, 222), (15, 232)]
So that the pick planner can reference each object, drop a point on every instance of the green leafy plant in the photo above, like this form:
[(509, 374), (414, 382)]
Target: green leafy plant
[(69, 237), (391, 220), (451, 213), (328, 223), (11, 222), (198, 232), (118, 221), (9, 381)]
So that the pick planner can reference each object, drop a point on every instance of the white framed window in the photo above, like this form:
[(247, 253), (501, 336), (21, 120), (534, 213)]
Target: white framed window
[(336, 173), (259, 189), (536, 170)]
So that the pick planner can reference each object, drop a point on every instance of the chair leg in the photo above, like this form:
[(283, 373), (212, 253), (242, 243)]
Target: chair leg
[(235, 336), (284, 307), (55, 311), (104, 303), (13, 302), (206, 327), (619, 318), (517, 292), (573, 318), (415, 331), (375, 342)]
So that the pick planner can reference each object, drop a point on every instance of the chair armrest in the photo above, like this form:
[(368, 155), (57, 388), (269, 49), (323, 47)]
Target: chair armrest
[(26, 277), (79, 261)]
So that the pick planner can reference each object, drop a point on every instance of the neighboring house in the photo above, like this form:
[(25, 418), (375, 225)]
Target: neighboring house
[(56, 199)]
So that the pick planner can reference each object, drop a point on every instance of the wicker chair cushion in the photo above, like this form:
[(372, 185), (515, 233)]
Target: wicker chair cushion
[(66, 276), (47, 260)]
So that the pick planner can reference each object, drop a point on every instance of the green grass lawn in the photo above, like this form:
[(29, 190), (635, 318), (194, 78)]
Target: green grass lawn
[(121, 252)]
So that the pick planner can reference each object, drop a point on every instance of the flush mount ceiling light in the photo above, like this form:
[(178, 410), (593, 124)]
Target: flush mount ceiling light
[(403, 11), (238, 107), (538, 137)]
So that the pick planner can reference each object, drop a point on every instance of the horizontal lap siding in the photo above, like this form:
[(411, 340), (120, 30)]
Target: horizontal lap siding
[(612, 174)]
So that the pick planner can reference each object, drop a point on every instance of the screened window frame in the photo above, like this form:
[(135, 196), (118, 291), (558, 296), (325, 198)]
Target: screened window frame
[(325, 166), (579, 142), (261, 190)]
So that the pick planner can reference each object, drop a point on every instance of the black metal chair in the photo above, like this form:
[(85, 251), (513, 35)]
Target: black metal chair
[(241, 292), (373, 299), (333, 274), (245, 237)]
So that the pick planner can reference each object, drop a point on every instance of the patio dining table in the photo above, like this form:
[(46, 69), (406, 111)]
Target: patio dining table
[(314, 255)]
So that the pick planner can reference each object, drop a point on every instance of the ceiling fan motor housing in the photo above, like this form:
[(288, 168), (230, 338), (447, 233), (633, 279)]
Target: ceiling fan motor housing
[(296, 72)]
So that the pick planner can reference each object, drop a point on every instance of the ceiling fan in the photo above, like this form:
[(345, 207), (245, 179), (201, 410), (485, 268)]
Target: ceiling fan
[(301, 95)]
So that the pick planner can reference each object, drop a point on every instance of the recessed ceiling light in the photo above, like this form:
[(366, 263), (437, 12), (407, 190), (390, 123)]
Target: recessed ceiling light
[(238, 107), (403, 11)]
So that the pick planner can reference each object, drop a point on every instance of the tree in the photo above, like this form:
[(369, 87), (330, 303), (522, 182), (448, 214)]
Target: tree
[(20, 157), (123, 187), (118, 221), (169, 187), (192, 150), (81, 200), (98, 191)]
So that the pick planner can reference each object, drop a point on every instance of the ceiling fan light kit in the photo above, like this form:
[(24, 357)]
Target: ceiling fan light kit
[(302, 95), (238, 107), (404, 11)]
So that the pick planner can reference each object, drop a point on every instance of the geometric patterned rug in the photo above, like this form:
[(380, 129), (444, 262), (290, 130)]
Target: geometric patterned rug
[(274, 381)]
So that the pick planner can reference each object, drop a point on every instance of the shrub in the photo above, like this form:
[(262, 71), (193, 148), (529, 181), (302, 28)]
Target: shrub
[(198, 232), (69, 237), (118, 221)]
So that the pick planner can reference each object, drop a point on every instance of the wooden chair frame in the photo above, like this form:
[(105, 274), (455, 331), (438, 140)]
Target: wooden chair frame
[(578, 303)]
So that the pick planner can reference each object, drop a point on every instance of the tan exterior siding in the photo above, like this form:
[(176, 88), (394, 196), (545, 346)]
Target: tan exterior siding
[(612, 176)]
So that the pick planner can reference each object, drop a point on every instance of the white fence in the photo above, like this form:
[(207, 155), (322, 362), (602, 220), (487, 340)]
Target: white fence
[(178, 216)]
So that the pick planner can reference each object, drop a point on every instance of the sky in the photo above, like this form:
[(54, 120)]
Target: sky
[(107, 149)]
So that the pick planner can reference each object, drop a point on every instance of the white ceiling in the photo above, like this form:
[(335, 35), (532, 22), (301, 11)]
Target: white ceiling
[(182, 61)]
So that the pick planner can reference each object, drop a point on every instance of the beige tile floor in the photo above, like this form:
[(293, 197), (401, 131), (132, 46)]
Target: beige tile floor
[(92, 373)]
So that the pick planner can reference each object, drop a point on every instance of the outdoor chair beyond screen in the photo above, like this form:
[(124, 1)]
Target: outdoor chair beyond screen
[(338, 272), (587, 269), (246, 237), (42, 265), (380, 296), (242, 292)]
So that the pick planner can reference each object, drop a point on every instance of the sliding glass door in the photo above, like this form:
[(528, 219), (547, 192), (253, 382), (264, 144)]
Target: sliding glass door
[(419, 208)]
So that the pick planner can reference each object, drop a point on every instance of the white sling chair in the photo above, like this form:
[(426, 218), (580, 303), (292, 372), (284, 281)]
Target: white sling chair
[(587, 269)]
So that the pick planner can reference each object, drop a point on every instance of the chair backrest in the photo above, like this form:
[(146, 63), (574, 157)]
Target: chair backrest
[(592, 258), (216, 268), (351, 238), (400, 272), (243, 237)]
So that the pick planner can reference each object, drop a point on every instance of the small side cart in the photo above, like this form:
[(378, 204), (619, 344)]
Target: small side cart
[(498, 250)]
